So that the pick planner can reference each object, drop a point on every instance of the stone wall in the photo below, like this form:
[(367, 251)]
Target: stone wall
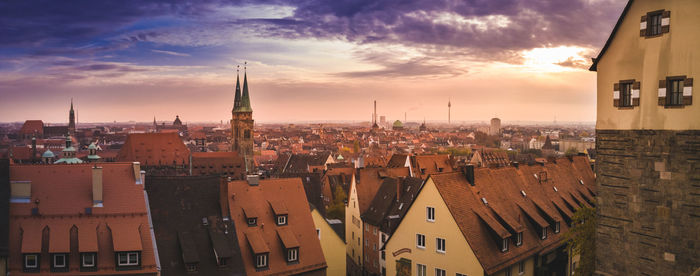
[(648, 184)]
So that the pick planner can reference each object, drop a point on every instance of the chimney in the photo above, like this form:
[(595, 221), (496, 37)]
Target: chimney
[(253, 180), (469, 173), (223, 197), (96, 186), (137, 172)]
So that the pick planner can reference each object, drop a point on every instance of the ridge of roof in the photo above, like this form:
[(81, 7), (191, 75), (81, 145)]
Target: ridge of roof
[(594, 66)]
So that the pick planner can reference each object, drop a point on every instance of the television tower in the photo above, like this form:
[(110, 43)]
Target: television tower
[(449, 111)]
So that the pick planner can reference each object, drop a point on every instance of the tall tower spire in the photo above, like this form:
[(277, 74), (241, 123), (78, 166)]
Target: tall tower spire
[(244, 104), (237, 98), (242, 124), (71, 118)]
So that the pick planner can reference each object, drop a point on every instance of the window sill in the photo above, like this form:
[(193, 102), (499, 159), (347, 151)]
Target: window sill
[(675, 106), (420, 247), (654, 36), (625, 107), (440, 252)]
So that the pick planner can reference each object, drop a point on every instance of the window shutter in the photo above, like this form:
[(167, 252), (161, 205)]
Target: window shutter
[(616, 94), (688, 91), (643, 26), (635, 93), (662, 92), (665, 21)]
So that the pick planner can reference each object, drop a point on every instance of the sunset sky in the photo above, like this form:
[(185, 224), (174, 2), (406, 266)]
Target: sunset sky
[(307, 60)]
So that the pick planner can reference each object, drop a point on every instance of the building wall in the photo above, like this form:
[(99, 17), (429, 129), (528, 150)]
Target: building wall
[(648, 193), (333, 246), (458, 258), (240, 123), (647, 169), (353, 226), (649, 60), (372, 245), (528, 271)]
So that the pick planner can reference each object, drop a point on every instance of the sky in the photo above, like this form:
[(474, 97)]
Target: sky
[(306, 60)]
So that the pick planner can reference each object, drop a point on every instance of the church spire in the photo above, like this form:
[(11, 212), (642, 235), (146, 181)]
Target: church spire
[(244, 104), (71, 118), (237, 99)]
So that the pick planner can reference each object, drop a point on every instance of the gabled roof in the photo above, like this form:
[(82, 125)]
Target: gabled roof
[(123, 209), (508, 200), (154, 149), (594, 66), (368, 181), (267, 233), (190, 199)]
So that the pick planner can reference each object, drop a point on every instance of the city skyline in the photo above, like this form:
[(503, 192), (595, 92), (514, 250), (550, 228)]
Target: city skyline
[(523, 60)]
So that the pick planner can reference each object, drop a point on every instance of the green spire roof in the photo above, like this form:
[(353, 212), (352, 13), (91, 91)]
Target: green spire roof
[(244, 104), (237, 99)]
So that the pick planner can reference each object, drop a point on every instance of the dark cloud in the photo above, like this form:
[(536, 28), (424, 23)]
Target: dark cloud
[(411, 68)]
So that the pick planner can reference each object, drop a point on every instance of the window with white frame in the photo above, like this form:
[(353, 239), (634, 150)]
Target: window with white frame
[(59, 260), (31, 261), (440, 247), (88, 260), (252, 221), (430, 214), (440, 272), (282, 220), (318, 233), (556, 227), (420, 240), (292, 255), (508, 271), (504, 245), (128, 258), (521, 267), (421, 270), (519, 239), (261, 261), (544, 233)]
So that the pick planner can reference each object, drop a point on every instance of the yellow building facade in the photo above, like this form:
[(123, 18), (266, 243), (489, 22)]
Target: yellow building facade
[(333, 245), (353, 226)]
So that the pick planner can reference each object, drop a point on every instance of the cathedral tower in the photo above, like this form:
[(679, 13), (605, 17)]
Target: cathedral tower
[(71, 119), (242, 124)]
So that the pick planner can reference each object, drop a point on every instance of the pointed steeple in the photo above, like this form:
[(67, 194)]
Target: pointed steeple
[(237, 98), (71, 118), (244, 104)]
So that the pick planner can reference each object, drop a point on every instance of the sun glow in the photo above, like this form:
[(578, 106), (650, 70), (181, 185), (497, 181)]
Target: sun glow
[(555, 59)]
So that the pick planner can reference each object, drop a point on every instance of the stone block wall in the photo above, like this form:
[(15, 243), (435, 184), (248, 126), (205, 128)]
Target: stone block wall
[(648, 202)]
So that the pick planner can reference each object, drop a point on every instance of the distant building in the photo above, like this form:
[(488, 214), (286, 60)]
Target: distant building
[(242, 125), (648, 134), (398, 125), (495, 127), (158, 153), (227, 164), (382, 121), (177, 126)]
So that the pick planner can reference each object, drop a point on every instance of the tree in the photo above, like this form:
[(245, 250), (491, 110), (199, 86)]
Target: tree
[(571, 152), (581, 238), (336, 210)]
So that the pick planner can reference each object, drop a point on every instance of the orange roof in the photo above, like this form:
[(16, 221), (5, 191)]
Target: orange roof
[(87, 237), (125, 237), (278, 207), (266, 235), (123, 204), (154, 149), (370, 179), (287, 237), (256, 242), (59, 241), (423, 165), (509, 200), (31, 126), (31, 237)]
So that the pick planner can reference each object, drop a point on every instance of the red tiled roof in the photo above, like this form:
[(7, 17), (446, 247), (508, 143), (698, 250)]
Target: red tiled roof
[(265, 233), (59, 241), (125, 237), (123, 204), (370, 179), (31, 126), (287, 237), (278, 207), (154, 149), (423, 165), (503, 190)]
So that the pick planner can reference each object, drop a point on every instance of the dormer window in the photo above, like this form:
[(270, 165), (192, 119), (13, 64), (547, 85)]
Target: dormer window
[(88, 261), (292, 255), (252, 221), (519, 239), (31, 262), (282, 220), (59, 262), (556, 227), (191, 267), (504, 245), (261, 261), (544, 233), (128, 258)]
